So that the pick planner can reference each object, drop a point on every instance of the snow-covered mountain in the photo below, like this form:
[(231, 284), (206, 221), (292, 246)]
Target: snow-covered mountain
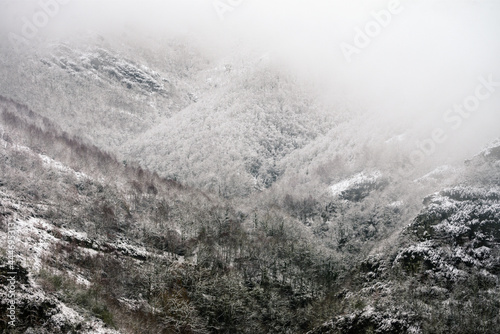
[(103, 246), (222, 127), (154, 184)]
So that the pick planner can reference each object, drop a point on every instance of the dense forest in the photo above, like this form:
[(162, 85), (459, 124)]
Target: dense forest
[(168, 178), (142, 253)]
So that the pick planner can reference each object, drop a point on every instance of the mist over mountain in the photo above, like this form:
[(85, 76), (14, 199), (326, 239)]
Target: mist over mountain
[(249, 166)]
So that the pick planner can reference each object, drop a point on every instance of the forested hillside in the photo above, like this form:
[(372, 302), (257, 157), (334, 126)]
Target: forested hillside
[(136, 252), (226, 167), (144, 253), (215, 125)]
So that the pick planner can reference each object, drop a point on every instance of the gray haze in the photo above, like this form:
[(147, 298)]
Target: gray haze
[(427, 59)]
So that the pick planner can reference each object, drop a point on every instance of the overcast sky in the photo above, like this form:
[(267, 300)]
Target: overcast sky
[(416, 61)]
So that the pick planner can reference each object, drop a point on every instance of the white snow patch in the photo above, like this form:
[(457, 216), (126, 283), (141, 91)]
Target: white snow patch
[(355, 180), (47, 161), (66, 315), (34, 237), (396, 204)]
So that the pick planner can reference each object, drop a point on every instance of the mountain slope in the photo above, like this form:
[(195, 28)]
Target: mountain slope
[(104, 246), (175, 111), (442, 273)]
